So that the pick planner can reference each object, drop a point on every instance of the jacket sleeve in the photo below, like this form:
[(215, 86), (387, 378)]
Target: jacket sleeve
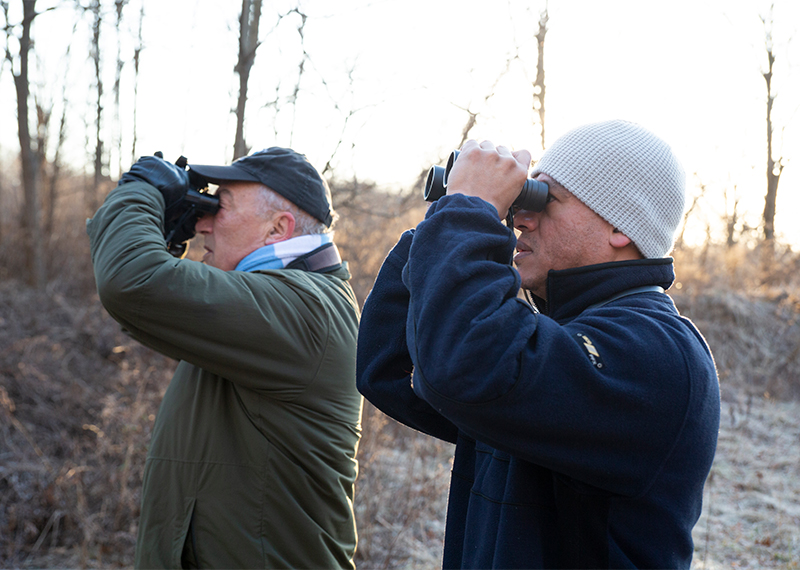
[(245, 327), (384, 367), (521, 382)]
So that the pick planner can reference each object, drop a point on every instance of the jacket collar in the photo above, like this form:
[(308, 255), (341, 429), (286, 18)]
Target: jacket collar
[(571, 291)]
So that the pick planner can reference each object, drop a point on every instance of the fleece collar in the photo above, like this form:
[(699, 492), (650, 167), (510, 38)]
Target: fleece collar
[(571, 291)]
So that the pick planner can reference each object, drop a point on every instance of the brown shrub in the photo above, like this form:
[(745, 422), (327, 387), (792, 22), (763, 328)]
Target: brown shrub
[(749, 314), (77, 401)]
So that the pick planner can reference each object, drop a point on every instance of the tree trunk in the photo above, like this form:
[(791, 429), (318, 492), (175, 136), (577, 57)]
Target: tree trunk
[(56, 170), (93, 198), (248, 43), (119, 6), (538, 84), (29, 157), (731, 217), (136, 54), (774, 168)]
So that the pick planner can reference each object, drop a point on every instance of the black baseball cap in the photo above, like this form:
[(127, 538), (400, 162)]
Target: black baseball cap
[(280, 169)]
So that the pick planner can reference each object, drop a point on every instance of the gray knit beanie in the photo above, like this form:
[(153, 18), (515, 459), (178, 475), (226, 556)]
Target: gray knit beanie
[(626, 174)]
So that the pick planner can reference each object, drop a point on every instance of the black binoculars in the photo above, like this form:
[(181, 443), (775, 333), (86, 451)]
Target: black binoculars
[(181, 217), (532, 197)]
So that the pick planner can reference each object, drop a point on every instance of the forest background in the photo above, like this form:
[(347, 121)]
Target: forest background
[(374, 92)]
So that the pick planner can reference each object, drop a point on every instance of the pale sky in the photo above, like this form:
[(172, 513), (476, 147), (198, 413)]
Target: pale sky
[(689, 70)]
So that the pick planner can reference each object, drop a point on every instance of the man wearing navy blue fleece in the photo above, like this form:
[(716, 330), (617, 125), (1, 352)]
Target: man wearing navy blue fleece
[(585, 426)]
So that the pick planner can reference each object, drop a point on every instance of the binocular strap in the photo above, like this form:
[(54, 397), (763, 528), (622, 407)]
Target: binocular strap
[(323, 259)]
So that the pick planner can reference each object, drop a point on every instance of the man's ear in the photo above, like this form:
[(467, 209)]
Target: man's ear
[(282, 228), (618, 240), (623, 247)]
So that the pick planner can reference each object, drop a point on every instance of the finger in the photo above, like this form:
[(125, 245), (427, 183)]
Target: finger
[(523, 157), (503, 151), (471, 143), (487, 145)]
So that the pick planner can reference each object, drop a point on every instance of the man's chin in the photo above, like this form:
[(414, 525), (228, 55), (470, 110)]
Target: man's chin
[(531, 284)]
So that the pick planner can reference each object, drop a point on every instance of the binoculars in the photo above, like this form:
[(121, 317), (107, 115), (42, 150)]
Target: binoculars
[(532, 197), (180, 218)]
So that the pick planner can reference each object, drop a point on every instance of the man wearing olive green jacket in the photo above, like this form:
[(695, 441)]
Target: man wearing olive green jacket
[(252, 458)]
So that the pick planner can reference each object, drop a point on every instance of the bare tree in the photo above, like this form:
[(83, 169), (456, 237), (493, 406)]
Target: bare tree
[(538, 89), (96, 10), (472, 116), (774, 167), (43, 113), (538, 83), (55, 171), (29, 152), (301, 67), (119, 5), (731, 217), (679, 241), (347, 116), (136, 56), (285, 101), (248, 44)]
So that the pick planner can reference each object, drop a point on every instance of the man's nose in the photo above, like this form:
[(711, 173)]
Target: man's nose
[(203, 224), (526, 220)]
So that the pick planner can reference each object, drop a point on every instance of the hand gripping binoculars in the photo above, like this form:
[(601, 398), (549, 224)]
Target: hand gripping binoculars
[(532, 197)]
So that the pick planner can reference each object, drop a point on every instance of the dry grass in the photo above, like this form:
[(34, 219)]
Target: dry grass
[(78, 398), (747, 304), (401, 495), (751, 511)]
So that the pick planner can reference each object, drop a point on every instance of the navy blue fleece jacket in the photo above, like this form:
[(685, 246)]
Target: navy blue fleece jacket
[(583, 436)]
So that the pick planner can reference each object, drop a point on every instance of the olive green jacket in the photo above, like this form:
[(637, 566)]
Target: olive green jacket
[(252, 458)]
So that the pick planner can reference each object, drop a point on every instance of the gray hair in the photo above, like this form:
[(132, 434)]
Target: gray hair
[(305, 223)]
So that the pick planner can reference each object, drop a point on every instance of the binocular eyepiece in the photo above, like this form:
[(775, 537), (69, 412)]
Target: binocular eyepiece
[(532, 197)]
